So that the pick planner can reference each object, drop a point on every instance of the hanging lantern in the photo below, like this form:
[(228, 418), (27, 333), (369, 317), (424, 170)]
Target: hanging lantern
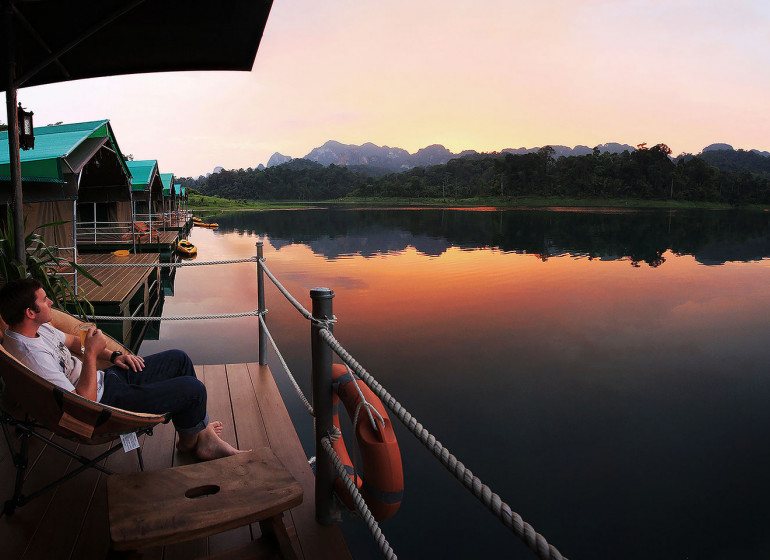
[(26, 132)]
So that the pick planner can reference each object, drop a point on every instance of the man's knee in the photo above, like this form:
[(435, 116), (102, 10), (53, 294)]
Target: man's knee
[(192, 388), (182, 360)]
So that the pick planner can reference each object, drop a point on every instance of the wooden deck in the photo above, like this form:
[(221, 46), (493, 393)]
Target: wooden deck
[(70, 522), (109, 242), (118, 284)]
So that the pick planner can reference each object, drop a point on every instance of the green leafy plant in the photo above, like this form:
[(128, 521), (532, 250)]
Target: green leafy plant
[(43, 263)]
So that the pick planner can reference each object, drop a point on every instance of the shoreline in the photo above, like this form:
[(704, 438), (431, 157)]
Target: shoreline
[(480, 204)]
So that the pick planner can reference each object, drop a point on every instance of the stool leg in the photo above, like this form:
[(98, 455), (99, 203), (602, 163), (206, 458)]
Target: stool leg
[(274, 530)]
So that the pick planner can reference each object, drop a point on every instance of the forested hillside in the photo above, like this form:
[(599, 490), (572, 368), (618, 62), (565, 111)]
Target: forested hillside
[(736, 160), (645, 173)]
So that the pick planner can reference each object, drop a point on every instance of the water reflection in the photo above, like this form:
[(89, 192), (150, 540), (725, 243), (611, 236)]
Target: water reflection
[(713, 237), (594, 396)]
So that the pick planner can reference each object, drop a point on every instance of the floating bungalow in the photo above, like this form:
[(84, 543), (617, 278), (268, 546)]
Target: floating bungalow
[(169, 200), (149, 203), (182, 216), (76, 175), (77, 179)]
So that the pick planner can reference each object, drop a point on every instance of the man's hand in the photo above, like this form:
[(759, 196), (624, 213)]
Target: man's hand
[(95, 342), (126, 361)]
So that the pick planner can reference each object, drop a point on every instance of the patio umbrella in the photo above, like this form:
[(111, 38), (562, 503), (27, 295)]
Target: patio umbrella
[(47, 41)]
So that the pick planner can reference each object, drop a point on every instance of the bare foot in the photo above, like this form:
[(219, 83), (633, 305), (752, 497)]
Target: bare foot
[(218, 426), (188, 442), (210, 446)]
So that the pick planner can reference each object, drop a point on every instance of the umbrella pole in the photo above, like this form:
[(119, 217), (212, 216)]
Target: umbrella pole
[(13, 143)]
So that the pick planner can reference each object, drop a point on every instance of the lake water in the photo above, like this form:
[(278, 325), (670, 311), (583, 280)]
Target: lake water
[(606, 373)]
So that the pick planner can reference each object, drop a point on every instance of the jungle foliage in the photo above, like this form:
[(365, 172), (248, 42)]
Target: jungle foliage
[(42, 261), (645, 173)]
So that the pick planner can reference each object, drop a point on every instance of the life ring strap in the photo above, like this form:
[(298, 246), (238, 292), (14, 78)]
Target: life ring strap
[(382, 496)]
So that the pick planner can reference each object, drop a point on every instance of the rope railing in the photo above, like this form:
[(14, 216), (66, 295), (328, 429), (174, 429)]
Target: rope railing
[(304, 312), (166, 265), (534, 540), (300, 394), (358, 499), (255, 313)]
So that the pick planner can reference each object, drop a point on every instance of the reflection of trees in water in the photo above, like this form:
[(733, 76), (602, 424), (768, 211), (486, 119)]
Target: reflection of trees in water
[(713, 237)]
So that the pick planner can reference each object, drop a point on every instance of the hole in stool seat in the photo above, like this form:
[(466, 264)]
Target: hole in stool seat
[(200, 491)]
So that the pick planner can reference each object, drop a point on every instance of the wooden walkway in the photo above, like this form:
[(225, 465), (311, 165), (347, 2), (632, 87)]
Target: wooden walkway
[(71, 523)]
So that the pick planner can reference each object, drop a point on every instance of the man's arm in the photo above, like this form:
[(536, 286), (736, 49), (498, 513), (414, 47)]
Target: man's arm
[(73, 343), (125, 361), (96, 344)]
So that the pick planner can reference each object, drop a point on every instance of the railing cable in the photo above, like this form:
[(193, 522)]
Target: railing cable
[(305, 313), (361, 506), (300, 394), (166, 265), (534, 540), (254, 313)]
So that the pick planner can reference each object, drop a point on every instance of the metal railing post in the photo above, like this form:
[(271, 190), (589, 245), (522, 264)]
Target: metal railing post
[(261, 306), (321, 378), (75, 244)]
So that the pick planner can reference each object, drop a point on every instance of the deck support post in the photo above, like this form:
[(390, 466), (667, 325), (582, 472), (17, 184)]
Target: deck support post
[(17, 200), (261, 306), (321, 379)]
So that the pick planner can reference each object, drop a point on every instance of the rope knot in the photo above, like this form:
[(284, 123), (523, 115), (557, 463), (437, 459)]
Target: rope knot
[(324, 323)]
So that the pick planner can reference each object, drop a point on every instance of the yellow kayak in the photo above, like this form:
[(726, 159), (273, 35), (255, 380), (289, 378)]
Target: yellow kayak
[(186, 249)]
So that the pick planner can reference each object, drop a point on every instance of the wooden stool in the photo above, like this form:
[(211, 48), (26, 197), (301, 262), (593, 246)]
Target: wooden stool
[(157, 508)]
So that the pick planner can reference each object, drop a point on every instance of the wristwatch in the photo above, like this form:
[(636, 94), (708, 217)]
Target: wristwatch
[(114, 355)]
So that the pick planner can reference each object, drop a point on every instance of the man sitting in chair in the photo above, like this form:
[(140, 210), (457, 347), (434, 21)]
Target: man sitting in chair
[(161, 383)]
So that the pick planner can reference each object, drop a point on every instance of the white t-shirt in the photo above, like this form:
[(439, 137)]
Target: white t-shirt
[(49, 357)]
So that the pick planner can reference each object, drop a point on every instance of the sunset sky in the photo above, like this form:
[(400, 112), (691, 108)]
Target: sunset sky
[(483, 75)]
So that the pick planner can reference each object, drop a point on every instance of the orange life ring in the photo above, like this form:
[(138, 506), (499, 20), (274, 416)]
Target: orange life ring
[(381, 477)]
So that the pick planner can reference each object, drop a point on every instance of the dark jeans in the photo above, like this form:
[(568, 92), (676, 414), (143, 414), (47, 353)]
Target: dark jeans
[(166, 384)]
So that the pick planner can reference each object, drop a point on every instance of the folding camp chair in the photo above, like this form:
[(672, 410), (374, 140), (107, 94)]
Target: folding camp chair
[(31, 404), (142, 229)]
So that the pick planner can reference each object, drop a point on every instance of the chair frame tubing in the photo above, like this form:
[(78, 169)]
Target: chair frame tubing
[(26, 429)]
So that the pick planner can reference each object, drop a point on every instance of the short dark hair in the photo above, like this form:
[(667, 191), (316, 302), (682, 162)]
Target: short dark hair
[(16, 297)]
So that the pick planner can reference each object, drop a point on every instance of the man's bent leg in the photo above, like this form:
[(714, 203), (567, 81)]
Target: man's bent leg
[(167, 385)]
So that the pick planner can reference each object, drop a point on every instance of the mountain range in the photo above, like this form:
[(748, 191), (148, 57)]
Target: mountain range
[(379, 160), (386, 159)]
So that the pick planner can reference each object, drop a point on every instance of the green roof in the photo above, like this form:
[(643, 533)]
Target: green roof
[(166, 179), (56, 150), (142, 173), (178, 189)]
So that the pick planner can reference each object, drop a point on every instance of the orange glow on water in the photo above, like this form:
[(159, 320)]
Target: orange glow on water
[(583, 376), (574, 307)]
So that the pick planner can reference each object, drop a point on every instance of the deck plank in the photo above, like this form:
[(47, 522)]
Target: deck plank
[(317, 541), (93, 540), (198, 547), (220, 408), (68, 509), (18, 530), (247, 415)]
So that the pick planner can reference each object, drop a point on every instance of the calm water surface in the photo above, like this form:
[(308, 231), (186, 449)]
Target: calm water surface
[(605, 373)]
